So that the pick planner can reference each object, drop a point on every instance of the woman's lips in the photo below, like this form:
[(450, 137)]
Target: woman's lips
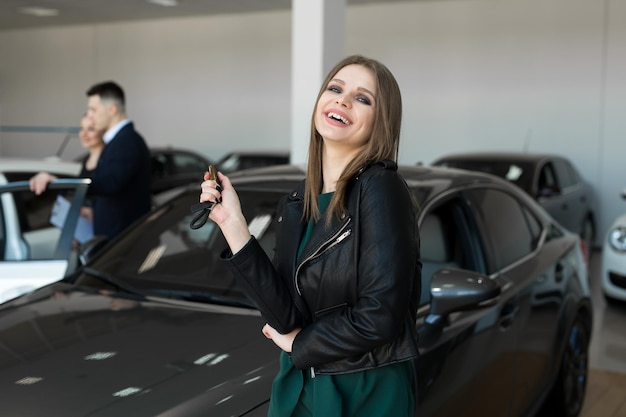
[(338, 117)]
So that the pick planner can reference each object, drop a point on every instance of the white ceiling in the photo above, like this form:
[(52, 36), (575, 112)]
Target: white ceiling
[(75, 12)]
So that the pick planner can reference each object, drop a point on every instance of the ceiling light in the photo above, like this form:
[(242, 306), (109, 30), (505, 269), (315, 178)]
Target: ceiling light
[(39, 11), (164, 3)]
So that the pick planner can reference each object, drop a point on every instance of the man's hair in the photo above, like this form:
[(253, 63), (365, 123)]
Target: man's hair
[(109, 91)]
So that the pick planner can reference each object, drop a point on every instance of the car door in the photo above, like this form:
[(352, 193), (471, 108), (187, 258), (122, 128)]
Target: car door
[(467, 359), (523, 253), (554, 198), (33, 252), (573, 191)]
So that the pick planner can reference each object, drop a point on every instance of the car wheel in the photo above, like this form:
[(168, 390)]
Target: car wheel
[(568, 393)]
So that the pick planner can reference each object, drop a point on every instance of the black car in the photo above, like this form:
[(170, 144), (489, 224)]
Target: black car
[(550, 179), (154, 324), (239, 160), (173, 167)]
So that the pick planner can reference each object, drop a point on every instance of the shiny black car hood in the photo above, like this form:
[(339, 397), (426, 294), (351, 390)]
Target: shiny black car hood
[(70, 352)]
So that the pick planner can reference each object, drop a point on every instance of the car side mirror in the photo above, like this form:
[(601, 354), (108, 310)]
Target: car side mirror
[(454, 290)]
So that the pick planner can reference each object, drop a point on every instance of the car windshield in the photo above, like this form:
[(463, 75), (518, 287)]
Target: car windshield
[(519, 173), (164, 256)]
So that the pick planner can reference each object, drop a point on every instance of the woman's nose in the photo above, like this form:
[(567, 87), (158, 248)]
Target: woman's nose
[(343, 100)]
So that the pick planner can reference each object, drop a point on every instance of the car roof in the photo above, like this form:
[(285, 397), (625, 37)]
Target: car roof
[(166, 149), (258, 153), (437, 178), (54, 165), (497, 156)]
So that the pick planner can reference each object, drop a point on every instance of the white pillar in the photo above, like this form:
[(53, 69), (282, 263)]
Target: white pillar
[(317, 44)]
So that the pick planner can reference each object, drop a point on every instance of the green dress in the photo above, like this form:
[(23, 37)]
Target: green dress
[(380, 392)]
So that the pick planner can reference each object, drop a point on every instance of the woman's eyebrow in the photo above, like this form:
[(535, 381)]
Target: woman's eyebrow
[(367, 91), (340, 81)]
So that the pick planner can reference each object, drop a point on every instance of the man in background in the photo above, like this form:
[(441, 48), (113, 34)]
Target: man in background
[(121, 181)]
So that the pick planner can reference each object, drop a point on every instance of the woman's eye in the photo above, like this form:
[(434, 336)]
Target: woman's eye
[(334, 89), (363, 100)]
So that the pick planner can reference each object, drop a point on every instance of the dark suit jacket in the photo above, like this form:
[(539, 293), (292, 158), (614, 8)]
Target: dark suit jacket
[(121, 183)]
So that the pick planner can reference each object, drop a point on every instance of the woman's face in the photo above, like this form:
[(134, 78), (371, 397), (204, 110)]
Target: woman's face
[(345, 111), (89, 136)]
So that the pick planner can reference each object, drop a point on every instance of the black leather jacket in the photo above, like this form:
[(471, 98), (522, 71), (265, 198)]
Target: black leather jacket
[(355, 289)]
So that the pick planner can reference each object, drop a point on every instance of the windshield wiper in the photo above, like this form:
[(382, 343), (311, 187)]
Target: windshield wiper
[(107, 278)]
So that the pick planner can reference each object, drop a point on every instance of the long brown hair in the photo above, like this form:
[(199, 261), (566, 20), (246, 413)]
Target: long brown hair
[(382, 144)]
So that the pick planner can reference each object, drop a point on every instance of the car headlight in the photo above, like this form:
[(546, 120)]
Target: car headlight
[(617, 238)]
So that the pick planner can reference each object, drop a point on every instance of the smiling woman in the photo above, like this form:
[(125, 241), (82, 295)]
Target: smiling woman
[(341, 295)]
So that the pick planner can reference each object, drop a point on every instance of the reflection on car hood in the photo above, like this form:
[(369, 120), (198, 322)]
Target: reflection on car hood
[(76, 353)]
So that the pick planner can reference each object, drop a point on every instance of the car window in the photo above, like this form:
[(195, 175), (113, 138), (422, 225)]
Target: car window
[(186, 163), (548, 182), (160, 166), (448, 239), (236, 161), (510, 230), (229, 163), (518, 172), (34, 211), (27, 231), (568, 177)]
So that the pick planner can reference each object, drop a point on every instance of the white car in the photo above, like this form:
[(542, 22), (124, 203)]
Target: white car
[(33, 252), (614, 259)]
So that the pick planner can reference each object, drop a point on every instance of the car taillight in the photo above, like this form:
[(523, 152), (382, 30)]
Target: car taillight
[(585, 251)]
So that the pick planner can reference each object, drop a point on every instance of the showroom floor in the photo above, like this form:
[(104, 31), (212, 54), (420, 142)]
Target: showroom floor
[(608, 341), (606, 390)]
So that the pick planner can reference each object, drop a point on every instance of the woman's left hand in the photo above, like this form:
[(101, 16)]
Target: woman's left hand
[(283, 341)]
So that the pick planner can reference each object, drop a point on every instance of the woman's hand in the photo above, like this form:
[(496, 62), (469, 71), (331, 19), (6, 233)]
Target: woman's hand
[(39, 182), (283, 341), (226, 211)]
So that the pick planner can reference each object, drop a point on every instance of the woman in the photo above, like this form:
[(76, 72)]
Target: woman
[(93, 141), (341, 295), (90, 139)]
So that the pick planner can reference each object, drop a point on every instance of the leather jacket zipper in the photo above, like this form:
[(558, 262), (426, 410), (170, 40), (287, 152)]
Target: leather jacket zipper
[(341, 234)]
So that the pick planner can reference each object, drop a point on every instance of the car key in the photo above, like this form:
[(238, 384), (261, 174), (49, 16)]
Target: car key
[(206, 207)]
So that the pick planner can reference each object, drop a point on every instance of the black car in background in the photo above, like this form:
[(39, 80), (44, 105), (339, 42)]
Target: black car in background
[(239, 160), (154, 324), (552, 180), (173, 167)]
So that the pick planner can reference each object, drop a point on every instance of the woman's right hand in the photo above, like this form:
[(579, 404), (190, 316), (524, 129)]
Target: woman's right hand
[(39, 182), (226, 211)]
